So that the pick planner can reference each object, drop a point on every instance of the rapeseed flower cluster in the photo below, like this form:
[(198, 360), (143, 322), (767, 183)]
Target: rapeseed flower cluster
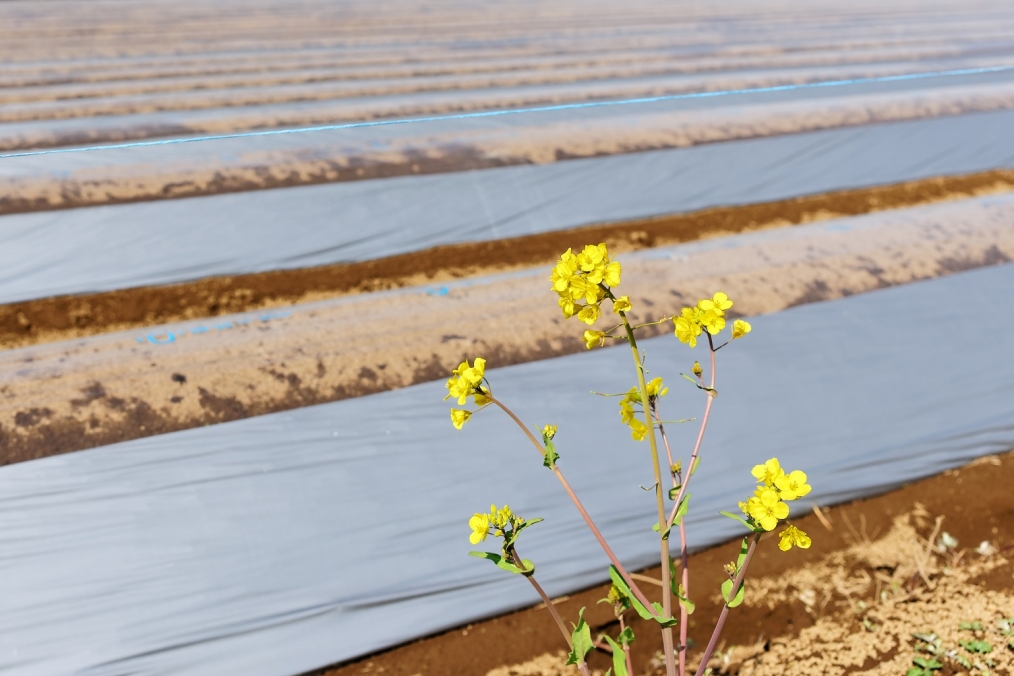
[(582, 281), (497, 520), (768, 505), (466, 382), (708, 315), (639, 430)]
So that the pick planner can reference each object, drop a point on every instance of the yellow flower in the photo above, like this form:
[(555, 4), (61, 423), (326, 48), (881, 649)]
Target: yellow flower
[(766, 509), (564, 271), (611, 276), (688, 326), (626, 411), (638, 430), (793, 536), (697, 368), (592, 257), (480, 528), (578, 278), (475, 374), (459, 388), (589, 314), (713, 321), (719, 302), (622, 304), (500, 517), (582, 288), (740, 328), (593, 338), (459, 417), (769, 472), (549, 431), (656, 389), (792, 485), (567, 305), (481, 398), (713, 312)]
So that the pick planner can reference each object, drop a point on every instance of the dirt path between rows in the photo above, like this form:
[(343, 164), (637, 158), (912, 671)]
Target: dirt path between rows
[(61, 397), (66, 317)]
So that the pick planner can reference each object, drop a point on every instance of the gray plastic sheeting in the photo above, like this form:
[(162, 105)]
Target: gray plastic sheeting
[(113, 247), (286, 542)]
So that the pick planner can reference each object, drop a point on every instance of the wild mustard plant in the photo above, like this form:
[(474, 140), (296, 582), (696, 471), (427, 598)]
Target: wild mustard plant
[(583, 282)]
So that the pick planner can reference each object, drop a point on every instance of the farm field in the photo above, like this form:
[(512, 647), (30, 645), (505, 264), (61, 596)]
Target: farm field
[(243, 245)]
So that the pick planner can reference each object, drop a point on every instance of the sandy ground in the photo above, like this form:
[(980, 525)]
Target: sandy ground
[(849, 605), (67, 317), (132, 70), (72, 395), (130, 175)]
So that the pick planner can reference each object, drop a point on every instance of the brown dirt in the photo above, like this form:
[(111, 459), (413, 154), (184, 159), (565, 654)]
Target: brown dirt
[(805, 610), (417, 151), (61, 397), (67, 396), (66, 317)]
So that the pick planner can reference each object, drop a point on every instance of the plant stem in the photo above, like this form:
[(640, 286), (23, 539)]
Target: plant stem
[(700, 436), (626, 649), (684, 615), (580, 508), (667, 639), (681, 649), (549, 603), (710, 650)]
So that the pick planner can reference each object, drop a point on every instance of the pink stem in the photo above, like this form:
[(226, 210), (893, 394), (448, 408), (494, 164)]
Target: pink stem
[(626, 649), (584, 513), (552, 608), (684, 615), (710, 650), (700, 438)]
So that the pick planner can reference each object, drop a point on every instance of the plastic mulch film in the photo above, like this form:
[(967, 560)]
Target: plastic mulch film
[(282, 543), (112, 247)]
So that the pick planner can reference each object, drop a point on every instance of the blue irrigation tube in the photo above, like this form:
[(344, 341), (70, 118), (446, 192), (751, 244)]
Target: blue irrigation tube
[(521, 111)]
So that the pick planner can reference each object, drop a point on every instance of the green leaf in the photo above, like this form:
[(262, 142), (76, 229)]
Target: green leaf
[(619, 659), (673, 584), (527, 523), (665, 535), (979, 647), (696, 463), (674, 492), (681, 511), (551, 456), (641, 609), (710, 390), (727, 589), (506, 565), (626, 636), (582, 640), (737, 517), (687, 603), (744, 547)]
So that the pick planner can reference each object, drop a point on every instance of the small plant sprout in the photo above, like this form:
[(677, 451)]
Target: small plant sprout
[(583, 282), (924, 667)]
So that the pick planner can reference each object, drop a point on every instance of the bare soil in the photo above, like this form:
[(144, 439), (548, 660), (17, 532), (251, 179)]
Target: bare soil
[(848, 605), (62, 397), (67, 317)]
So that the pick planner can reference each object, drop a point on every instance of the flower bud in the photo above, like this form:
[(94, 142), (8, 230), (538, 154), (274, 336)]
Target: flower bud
[(697, 369)]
